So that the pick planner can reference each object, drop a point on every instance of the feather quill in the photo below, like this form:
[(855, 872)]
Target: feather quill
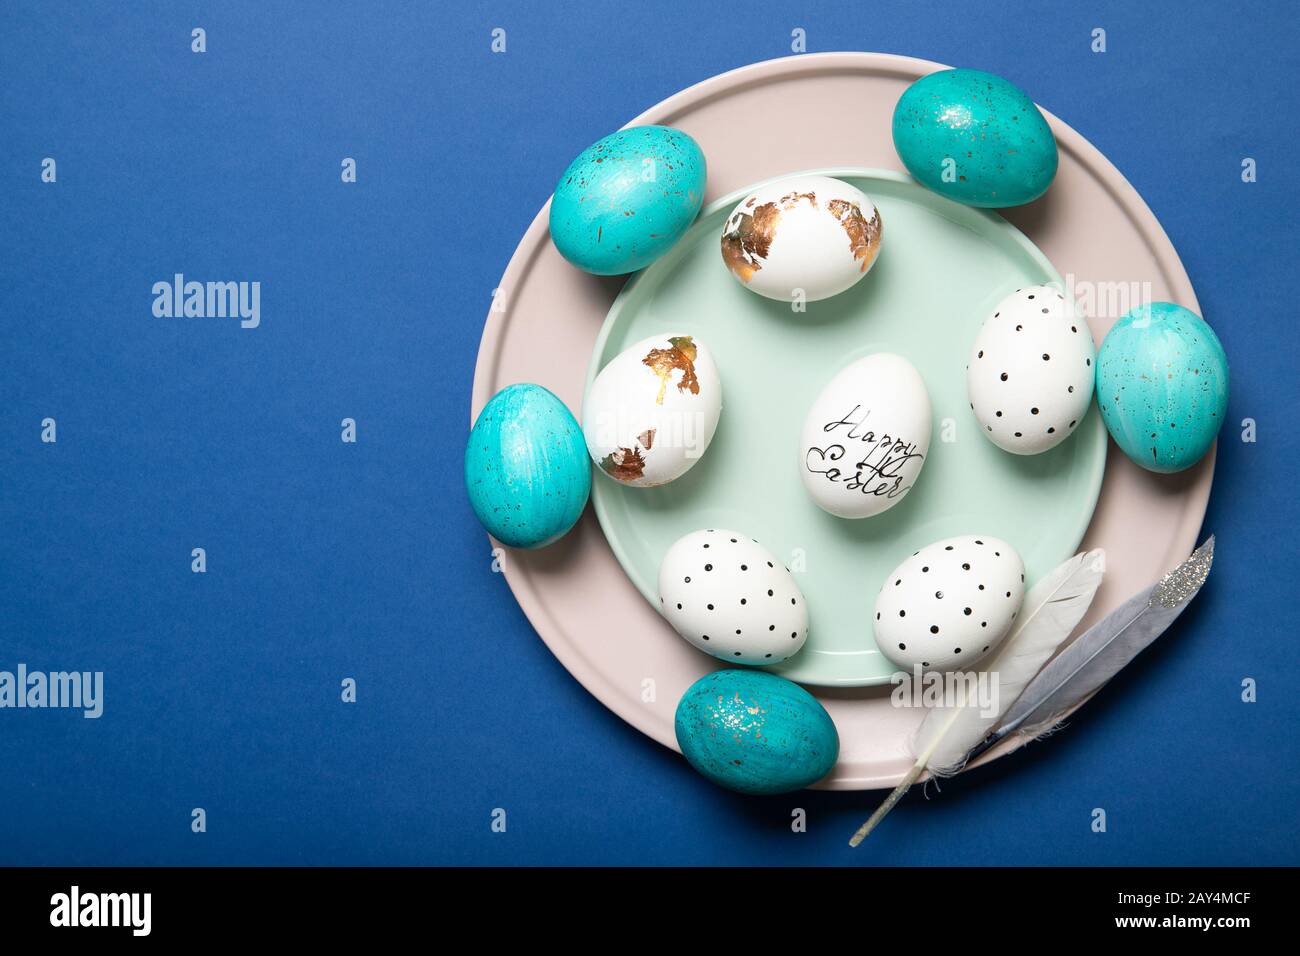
[(1103, 650), (1051, 610)]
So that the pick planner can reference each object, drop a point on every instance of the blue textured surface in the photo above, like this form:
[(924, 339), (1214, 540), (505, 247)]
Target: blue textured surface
[(328, 560)]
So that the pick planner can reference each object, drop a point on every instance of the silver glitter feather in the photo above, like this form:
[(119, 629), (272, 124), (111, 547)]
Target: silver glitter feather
[(1102, 651)]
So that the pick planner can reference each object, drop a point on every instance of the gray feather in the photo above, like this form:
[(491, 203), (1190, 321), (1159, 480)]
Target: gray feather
[(1103, 650)]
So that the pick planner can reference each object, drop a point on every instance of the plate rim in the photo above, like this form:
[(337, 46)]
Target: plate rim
[(620, 700), (603, 491)]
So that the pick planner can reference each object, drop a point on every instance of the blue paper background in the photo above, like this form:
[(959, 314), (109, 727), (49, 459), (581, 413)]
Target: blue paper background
[(328, 560)]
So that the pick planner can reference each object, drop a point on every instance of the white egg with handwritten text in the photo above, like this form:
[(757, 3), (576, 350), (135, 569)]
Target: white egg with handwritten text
[(866, 437)]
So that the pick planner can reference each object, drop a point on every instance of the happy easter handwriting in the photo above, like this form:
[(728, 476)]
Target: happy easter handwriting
[(884, 460)]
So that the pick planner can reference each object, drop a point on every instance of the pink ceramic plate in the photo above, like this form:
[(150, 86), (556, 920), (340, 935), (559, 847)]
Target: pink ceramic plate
[(1091, 224)]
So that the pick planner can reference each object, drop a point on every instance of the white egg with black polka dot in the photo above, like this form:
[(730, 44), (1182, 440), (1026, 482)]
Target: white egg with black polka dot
[(949, 604), (1031, 369), (731, 598)]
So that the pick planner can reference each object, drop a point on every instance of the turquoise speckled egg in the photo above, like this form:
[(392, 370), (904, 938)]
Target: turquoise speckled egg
[(1162, 386), (526, 467), (626, 199), (754, 732), (975, 138)]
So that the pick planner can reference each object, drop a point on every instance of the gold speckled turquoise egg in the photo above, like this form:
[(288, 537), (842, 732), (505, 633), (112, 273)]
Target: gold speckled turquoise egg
[(1162, 386), (627, 199), (974, 138), (526, 467), (756, 733)]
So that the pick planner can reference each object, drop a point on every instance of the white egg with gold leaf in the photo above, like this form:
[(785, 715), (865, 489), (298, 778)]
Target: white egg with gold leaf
[(651, 413), (802, 238)]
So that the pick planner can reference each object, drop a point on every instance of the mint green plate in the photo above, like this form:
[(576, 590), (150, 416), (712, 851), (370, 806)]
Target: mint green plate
[(942, 268)]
